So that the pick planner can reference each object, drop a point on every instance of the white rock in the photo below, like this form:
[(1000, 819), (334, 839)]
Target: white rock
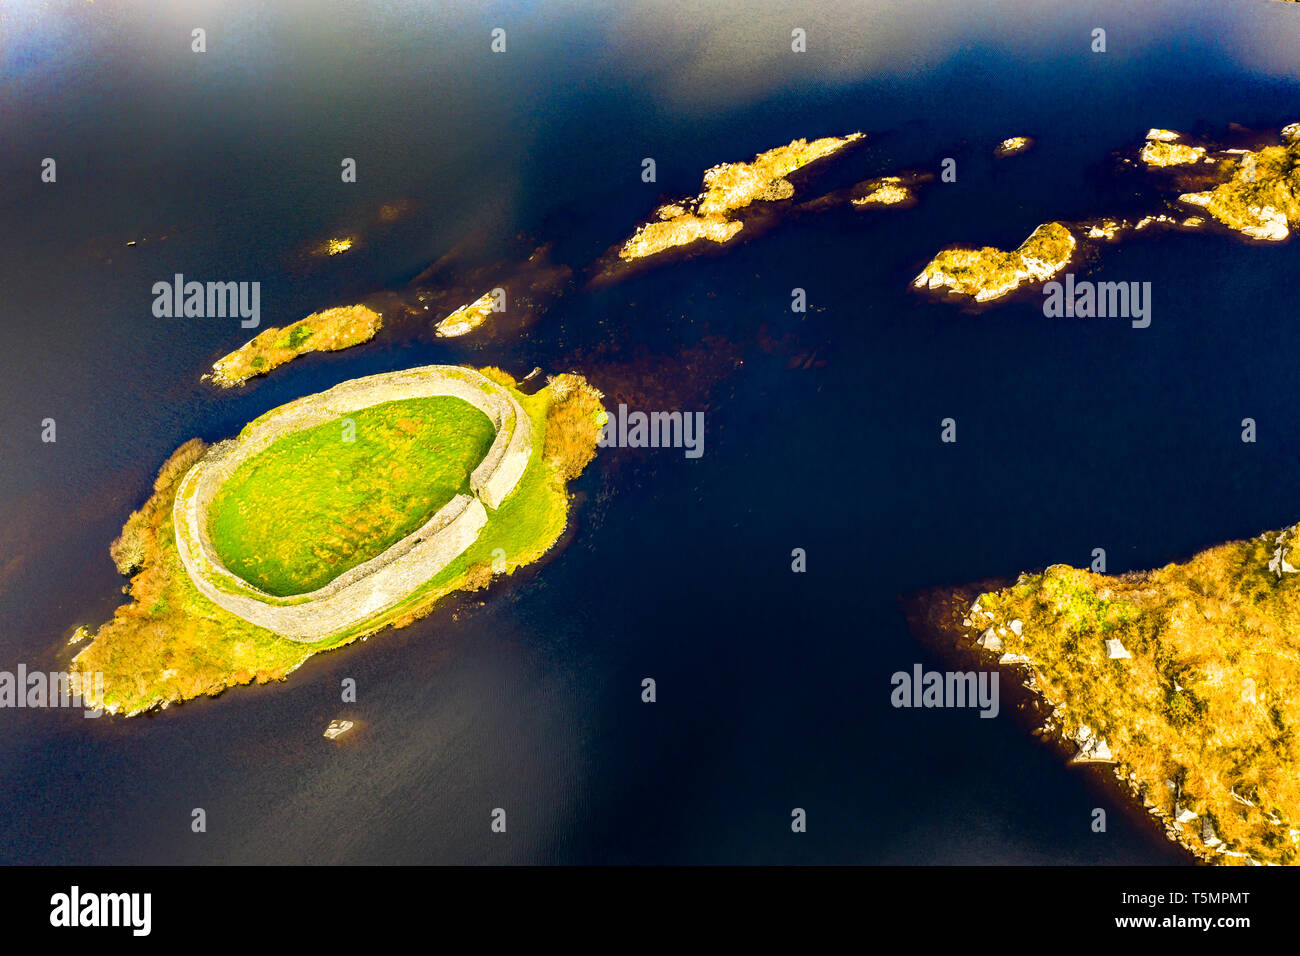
[(1115, 649), (990, 641), (1208, 836), (1162, 135), (1017, 627), (1278, 564), (1272, 224), (1092, 748), (1183, 815)]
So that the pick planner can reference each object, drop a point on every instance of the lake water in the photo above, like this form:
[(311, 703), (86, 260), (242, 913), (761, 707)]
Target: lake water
[(821, 429)]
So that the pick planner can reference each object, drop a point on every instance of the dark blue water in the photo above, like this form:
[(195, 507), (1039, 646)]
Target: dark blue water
[(822, 429)]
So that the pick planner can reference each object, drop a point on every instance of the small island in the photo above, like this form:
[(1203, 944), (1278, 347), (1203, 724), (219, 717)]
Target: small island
[(1182, 680), (332, 517), (990, 273), (1014, 146), (1163, 149), (467, 318), (325, 331), (886, 191), (728, 188), (337, 728)]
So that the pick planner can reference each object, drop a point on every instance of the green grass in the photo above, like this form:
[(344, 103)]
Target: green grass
[(298, 334), (343, 502)]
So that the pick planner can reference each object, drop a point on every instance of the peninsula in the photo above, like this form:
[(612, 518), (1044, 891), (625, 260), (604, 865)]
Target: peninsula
[(1183, 680)]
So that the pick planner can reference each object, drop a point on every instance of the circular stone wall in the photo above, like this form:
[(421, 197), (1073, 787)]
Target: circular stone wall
[(384, 580)]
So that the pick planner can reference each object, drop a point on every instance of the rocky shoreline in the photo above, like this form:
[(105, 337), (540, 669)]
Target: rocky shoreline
[(1182, 680), (936, 618)]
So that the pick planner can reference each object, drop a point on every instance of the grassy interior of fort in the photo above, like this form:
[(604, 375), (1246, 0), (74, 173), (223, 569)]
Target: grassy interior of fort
[(319, 502)]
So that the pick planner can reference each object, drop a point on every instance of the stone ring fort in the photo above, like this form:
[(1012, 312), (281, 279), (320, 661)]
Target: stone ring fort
[(384, 580)]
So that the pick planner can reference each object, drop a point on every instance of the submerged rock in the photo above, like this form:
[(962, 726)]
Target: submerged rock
[(1014, 145), (338, 728)]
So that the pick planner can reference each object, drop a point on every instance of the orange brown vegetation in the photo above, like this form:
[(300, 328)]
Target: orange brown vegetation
[(325, 331), (1202, 718)]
